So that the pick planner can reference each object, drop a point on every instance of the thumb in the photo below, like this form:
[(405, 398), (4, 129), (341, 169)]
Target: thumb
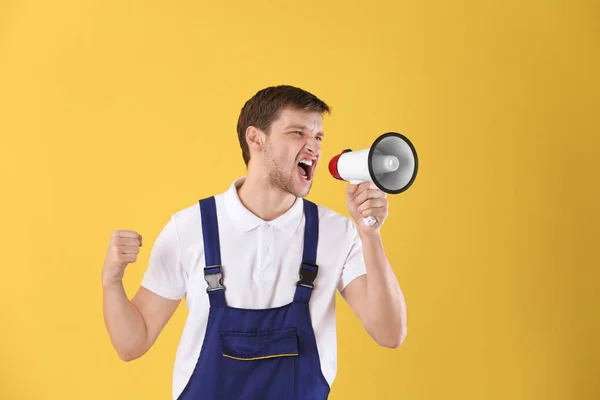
[(351, 188)]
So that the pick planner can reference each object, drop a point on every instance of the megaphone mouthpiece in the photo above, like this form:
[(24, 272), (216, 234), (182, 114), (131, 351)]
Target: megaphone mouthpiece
[(333, 167)]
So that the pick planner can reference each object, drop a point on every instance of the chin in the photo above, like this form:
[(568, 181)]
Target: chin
[(302, 193), (302, 189)]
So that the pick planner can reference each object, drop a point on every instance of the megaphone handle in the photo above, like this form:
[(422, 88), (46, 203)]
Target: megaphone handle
[(370, 220)]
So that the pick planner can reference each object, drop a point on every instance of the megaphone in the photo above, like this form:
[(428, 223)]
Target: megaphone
[(391, 163)]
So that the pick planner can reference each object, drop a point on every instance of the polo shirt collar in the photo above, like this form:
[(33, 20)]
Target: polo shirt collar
[(245, 220)]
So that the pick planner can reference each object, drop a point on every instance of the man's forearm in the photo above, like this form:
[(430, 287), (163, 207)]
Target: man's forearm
[(386, 309), (124, 322)]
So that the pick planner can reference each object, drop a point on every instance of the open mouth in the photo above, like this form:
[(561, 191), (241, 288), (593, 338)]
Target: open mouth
[(305, 169)]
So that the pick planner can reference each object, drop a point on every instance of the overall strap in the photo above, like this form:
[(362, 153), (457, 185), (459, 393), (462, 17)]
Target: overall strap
[(308, 267), (213, 273)]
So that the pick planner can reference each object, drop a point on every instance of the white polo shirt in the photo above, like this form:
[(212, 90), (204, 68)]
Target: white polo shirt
[(260, 262)]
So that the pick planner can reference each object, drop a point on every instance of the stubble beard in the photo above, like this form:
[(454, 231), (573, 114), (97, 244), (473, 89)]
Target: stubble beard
[(278, 175)]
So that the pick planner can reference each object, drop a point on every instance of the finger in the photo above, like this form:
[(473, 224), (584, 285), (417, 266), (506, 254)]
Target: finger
[(121, 241), (126, 234), (357, 189), (119, 249), (129, 249), (351, 188), (378, 212), (128, 258), (372, 203), (369, 194), (373, 186), (365, 186)]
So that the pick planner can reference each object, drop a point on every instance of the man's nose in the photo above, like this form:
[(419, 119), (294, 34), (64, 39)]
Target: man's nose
[(313, 146)]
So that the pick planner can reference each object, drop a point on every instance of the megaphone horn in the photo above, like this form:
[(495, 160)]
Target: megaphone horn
[(391, 163)]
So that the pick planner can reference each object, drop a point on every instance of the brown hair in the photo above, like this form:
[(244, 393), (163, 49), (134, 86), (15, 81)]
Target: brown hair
[(265, 106)]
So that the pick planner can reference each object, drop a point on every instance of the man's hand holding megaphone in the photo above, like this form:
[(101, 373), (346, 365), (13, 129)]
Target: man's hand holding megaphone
[(389, 166), (367, 200)]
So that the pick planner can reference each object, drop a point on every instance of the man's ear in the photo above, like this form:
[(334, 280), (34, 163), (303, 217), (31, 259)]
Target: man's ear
[(255, 138)]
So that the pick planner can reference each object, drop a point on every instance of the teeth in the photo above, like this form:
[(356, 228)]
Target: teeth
[(306, 162)]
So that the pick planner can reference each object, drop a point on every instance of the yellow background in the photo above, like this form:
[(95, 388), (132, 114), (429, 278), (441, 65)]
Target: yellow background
[(115, 114)]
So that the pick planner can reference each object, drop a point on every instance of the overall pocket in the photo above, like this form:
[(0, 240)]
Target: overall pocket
[(257, 365)]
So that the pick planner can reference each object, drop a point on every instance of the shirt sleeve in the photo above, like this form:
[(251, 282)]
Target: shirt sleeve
[(354, 266), (165, 274)]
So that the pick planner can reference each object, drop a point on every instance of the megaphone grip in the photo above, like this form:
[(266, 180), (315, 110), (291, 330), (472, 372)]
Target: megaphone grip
[(370, 220)]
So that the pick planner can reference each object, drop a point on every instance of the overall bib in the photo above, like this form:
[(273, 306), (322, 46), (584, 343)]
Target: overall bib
[(258, 354)]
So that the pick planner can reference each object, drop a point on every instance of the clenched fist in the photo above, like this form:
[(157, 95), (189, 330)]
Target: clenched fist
[(366, 200), (123, 249)]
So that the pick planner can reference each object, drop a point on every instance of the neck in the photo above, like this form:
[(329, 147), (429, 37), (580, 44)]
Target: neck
[(263, 200)]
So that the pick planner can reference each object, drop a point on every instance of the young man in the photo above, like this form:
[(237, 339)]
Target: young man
[(259, 267)]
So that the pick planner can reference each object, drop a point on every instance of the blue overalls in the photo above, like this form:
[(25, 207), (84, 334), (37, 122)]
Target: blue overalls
[(258, 354)]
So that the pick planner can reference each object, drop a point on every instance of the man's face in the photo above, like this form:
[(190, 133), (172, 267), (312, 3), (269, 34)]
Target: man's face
[(292, 150)]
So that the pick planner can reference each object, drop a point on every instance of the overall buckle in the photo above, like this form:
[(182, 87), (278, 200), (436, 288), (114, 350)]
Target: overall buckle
[(307, 276), (214, 277)]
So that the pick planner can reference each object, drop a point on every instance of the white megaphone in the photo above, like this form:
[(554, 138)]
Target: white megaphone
[(391, 163)]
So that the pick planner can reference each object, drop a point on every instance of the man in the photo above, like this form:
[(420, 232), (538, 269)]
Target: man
[(259, 266)]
